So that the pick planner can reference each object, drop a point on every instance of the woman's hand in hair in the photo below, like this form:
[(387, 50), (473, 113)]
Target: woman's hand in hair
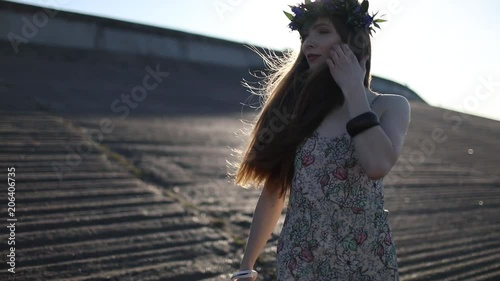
[(346, 70)]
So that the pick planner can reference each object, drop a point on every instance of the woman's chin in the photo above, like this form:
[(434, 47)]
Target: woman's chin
[(313, 66), (316, 65)]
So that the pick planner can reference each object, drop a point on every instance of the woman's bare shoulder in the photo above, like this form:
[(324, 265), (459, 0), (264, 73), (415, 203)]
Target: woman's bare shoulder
[(391, 98), (386, 101)]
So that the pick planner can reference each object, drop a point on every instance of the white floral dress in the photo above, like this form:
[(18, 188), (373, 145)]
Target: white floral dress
[(336, 227)]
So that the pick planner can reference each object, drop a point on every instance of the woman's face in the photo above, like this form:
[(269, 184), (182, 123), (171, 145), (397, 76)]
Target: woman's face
[(317, 41)]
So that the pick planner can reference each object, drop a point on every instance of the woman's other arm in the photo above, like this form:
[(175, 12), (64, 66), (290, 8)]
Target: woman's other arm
[(266, 215)]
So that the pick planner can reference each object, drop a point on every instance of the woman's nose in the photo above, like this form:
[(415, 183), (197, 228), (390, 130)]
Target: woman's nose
[(308, 43)]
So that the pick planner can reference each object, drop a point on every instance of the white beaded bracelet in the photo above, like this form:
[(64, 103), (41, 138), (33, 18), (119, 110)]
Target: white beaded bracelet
[(244, 274)]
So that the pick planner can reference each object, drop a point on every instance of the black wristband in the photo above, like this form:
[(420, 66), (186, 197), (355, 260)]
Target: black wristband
[(361, 123)]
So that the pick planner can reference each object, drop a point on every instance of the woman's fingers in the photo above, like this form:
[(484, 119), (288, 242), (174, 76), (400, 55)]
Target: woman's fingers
[(349, 53), (330, 63), (334, 55), (340, 51)]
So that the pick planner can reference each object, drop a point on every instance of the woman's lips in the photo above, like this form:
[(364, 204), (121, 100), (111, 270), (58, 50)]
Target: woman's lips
[(312, 58)]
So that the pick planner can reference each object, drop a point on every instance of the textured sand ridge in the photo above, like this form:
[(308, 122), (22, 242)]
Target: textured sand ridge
[(177, 219)]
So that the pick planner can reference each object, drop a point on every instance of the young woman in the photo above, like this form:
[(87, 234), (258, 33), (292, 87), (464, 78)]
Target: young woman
[(327, 140)]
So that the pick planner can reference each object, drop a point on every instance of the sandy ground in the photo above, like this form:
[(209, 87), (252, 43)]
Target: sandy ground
[(150, 201), (442, 212), (148, 198)]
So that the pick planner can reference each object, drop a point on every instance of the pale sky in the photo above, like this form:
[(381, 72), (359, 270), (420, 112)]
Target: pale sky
[(444, 50)]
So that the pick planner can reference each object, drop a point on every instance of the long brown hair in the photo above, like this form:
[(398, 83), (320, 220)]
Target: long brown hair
[(295, 101)]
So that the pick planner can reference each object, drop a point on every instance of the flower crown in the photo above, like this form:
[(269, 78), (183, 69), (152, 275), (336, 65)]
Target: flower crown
[(354, 14)]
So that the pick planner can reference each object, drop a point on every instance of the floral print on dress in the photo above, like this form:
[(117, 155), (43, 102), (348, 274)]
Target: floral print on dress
[(336, 227)]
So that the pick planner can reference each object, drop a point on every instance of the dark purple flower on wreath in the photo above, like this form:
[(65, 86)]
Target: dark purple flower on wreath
[(330, 7), (357, 9), (297, 11), (367, 20), (294, 25)]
